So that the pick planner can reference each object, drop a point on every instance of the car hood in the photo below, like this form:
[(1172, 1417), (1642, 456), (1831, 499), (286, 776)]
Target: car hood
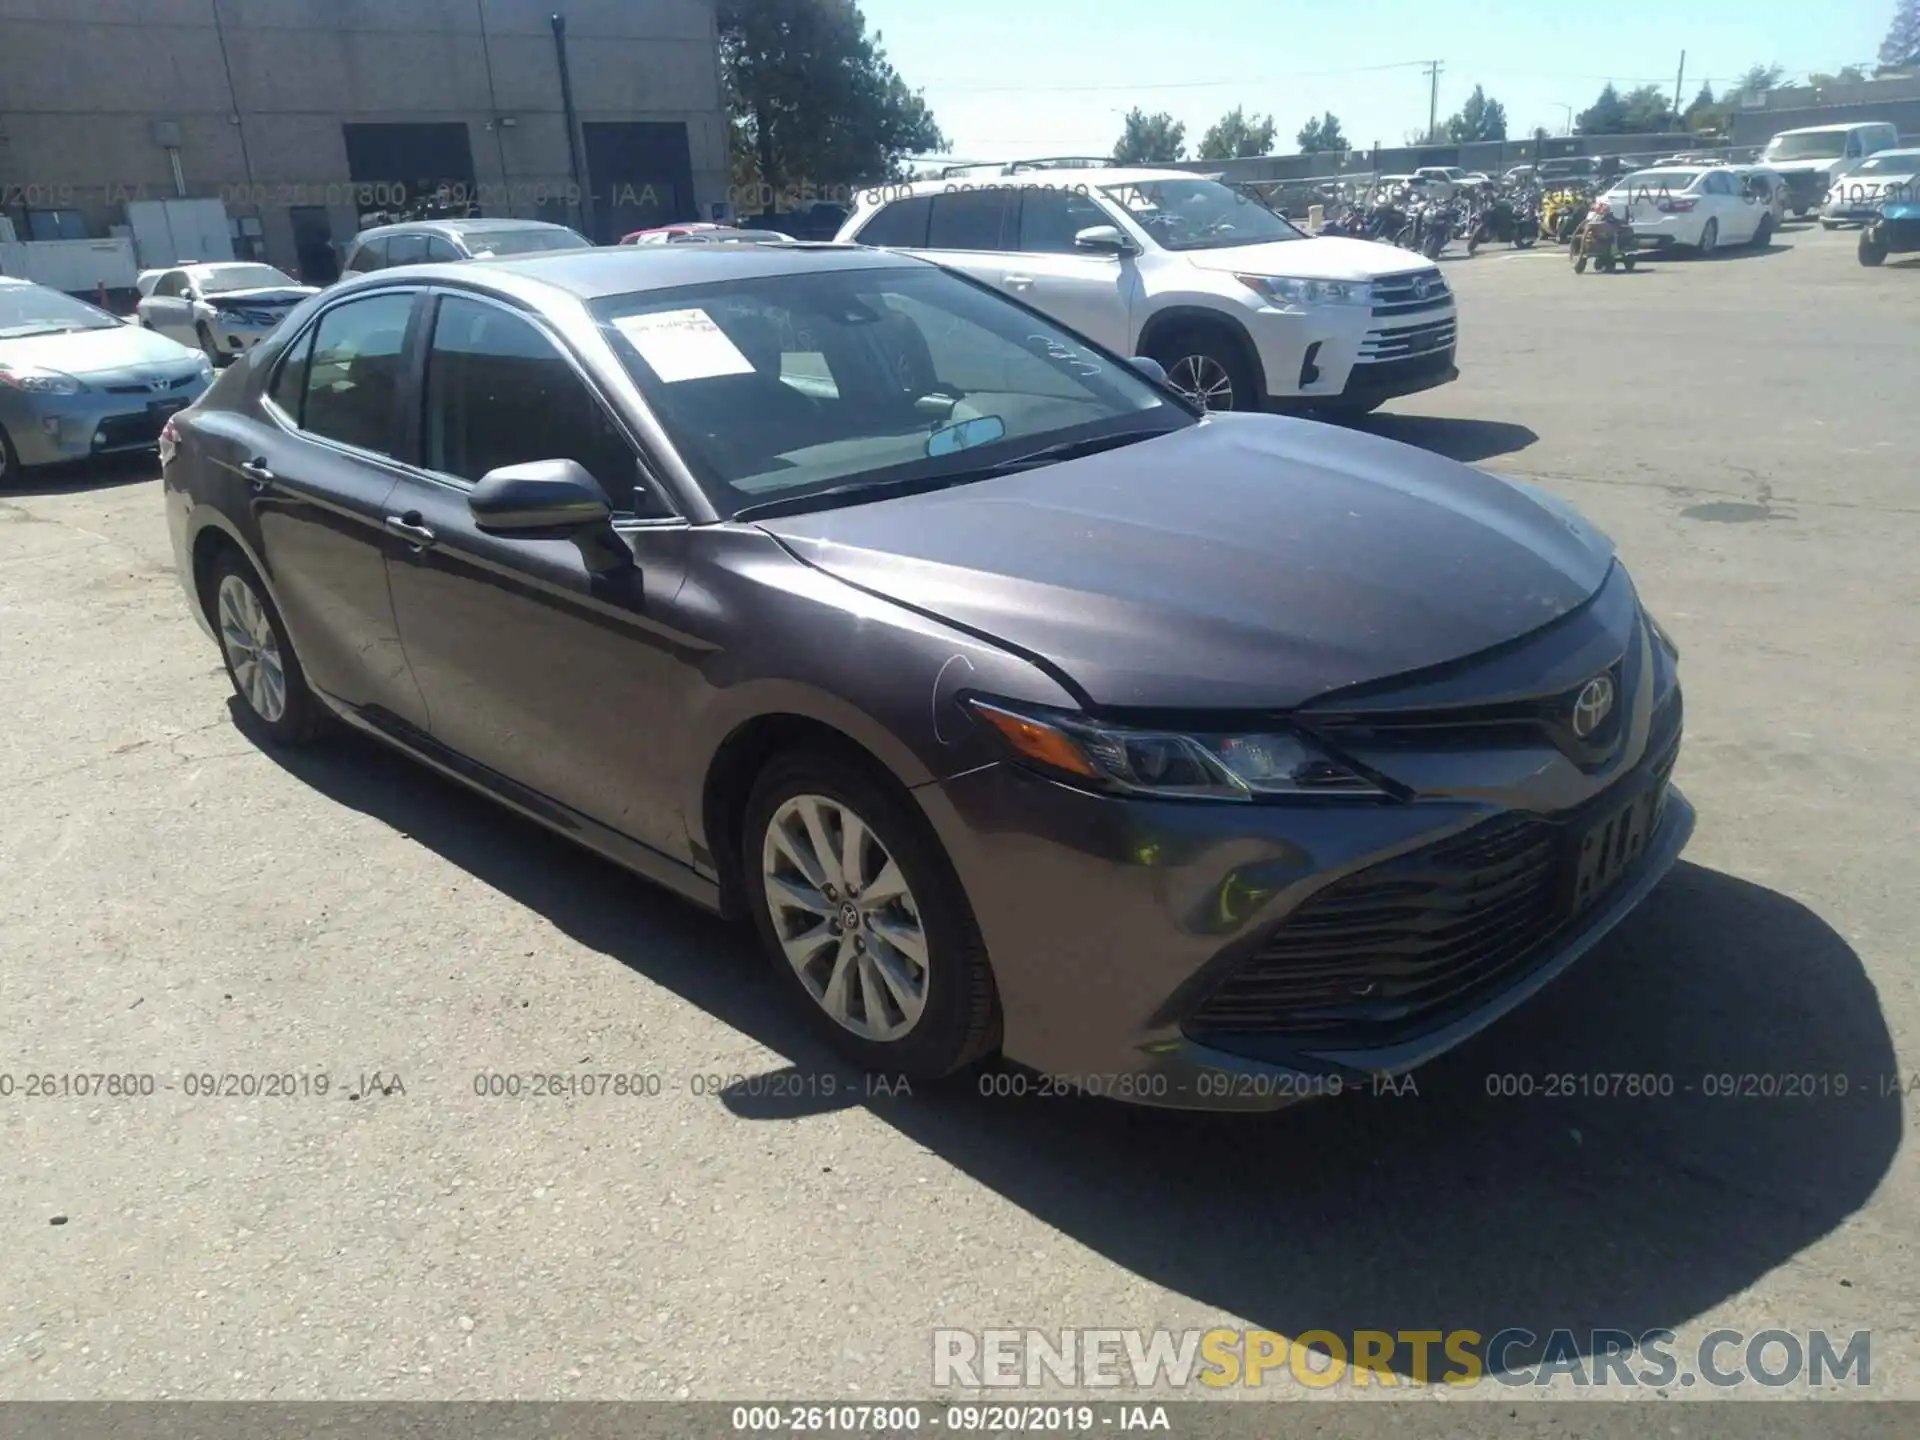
[(266, 295), (1807, 167), (1249, 562), (1324, 257), (94, 352)]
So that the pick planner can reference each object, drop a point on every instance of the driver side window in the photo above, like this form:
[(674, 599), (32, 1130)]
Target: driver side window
[(1049, 219)]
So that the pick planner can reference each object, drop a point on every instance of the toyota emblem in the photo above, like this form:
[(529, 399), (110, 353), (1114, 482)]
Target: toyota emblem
[(1592, 706)]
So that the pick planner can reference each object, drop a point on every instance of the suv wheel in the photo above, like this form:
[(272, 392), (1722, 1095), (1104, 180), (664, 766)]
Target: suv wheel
[(265, 673), (1207, 368), (862, 916)]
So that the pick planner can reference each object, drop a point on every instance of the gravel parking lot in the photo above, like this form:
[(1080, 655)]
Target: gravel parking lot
[(176, 902)]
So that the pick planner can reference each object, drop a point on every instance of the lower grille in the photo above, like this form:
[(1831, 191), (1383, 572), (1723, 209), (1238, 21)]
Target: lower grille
[(128, 432), (1392, 950), (1406, 341), (1373, 375)]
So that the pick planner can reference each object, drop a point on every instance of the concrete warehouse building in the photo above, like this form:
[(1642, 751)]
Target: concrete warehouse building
[(310, 118)]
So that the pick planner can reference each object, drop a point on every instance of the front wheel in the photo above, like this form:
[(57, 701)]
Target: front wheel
[(1207, 368), (1626, 263), (862, 916), (1873, 246), (1829, 224), (9, 459), (1476, 239), (1763, 233), (266, 674), (1579, 257), (207, 345)]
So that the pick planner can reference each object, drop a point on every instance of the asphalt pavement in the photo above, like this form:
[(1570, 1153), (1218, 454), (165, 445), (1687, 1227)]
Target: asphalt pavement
[(746, 1220)]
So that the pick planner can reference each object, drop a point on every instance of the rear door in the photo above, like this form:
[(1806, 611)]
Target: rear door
[(973, 231), (319, 474), (168, 311), (1724, 204), (533, 667)]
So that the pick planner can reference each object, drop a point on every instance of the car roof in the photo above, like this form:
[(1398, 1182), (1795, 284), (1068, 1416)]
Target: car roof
[(1040, 179), (632, 269), (1896, 152), (476, 226), (1831, 129)]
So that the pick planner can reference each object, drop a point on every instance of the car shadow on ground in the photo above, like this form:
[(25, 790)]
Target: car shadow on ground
[(78, 475), (1461, 1202), (1467, 441)]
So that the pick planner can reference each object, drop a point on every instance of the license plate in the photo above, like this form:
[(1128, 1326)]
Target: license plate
[(1614, 844)]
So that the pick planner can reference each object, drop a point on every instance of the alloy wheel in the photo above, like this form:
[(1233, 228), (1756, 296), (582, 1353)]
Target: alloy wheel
[(246, 634), (1203, 380), (845, 917)]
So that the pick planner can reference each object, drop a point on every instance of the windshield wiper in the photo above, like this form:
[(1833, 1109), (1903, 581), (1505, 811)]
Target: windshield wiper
[(922, 484)]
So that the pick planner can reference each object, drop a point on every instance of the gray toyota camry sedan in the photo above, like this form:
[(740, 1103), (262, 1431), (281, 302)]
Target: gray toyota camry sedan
[(1206, 761)]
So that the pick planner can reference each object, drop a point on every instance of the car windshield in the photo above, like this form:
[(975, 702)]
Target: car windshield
[(35, 310), (1903, 162), (854, 382), (1819, 146), (1200, 214), (525, 242), (224, 279), (1658, 181)]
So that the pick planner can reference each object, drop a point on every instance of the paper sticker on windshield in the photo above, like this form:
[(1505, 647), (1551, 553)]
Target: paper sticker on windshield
[(683, 345)]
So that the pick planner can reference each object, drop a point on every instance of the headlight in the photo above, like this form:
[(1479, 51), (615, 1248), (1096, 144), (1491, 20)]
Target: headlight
[(1169, 764), (35, 380), (1293, 294)]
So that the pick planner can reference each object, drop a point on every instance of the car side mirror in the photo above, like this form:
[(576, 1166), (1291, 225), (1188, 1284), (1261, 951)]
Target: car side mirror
[(1150, 367), (1104, 240), (551, 500)]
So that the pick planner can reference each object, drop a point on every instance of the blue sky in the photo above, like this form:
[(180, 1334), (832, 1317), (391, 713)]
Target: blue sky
[(1008, 78)]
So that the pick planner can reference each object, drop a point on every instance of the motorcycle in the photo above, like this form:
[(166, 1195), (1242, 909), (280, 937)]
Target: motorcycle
[(1563, 214), (1604, 238), (1505, 220), (1428, 230)]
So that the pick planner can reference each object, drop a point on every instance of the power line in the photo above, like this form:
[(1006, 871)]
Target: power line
[(1166, 84)]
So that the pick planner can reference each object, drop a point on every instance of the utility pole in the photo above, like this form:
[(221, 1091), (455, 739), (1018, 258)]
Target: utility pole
[(1678, 81), (1433, 98)]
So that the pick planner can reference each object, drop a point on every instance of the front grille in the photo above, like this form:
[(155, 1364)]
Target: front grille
[(1401, 294), (141, 387), (1407, 341), (1395, 949), (1479, 727), (1395, 374)]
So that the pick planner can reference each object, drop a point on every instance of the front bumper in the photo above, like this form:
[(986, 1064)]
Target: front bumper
[(51, 429), (235, 335), (1181, 954), (1353, 352)]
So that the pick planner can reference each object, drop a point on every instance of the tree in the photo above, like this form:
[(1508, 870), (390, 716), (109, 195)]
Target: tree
[(1606, 116), (814, 102), (1705, 113), (1758, 80), (1478, 119), (1902, 45), (1648, 110), (1234, 137), (1150, 139), (1846, 75), (1321, 135)]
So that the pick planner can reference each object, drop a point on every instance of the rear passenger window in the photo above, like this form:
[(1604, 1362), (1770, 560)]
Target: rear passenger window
[(353, 375), (370, 256), (902, 224), (290, 380), (407, 250), (973, 220), (440, 251)]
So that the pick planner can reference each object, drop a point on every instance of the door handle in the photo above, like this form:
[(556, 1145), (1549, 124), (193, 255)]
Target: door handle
[(409, 528), (258, 474), (1018, 282)]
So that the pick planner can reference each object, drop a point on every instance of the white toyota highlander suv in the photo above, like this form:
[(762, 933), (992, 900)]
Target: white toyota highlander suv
[(1243, 310)]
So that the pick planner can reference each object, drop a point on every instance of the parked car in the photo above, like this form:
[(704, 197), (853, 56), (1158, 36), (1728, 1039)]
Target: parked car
[(843, 595), (432, 242), (1244, 310), (1855, 198), (1813, 157), (1693, 208), (1894, 231), (225, 308), (1568, 170), (1765, 186), (76, 381), (1443, 182), (701, 233)]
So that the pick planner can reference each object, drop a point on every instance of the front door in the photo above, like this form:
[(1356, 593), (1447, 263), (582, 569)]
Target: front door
[(1091, 293), (532, 666)]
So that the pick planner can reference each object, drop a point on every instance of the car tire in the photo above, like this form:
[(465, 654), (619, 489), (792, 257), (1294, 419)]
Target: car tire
[(207, 346), (1872, 248), (266, 674), (1199, 361), (10, 467), (1709, 240), (940, 1012), (1763, 233), (1829, 224)]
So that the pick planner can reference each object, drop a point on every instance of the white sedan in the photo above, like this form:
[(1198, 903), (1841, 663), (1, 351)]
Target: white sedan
[(225, 308), (1698, 208), (1855, 198)]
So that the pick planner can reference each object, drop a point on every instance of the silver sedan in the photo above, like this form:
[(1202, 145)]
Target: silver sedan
[(76, 381)]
